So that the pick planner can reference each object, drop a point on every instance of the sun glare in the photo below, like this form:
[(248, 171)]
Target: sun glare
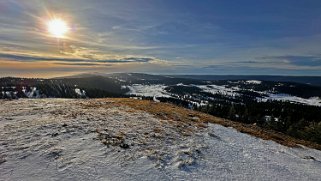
[(57, 28)]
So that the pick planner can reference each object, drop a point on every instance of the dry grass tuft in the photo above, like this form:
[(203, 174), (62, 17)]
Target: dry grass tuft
[(183, 117)]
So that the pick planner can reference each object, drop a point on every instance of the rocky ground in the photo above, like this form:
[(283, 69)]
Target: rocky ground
[(124, 139)]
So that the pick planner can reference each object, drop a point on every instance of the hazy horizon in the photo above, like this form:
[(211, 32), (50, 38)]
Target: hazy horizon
[(31, 75), (47, 39)]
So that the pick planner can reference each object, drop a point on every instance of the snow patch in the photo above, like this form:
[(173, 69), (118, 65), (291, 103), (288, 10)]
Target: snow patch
[(79, 92), (156, 90), (253, 81), (217, 89)]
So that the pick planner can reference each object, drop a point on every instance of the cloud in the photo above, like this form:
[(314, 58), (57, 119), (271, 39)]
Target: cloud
[(32, 58), (282, 63), (82, 64), (248, 62), (214, 67), (82, 61), (297, 60), (131, 59)]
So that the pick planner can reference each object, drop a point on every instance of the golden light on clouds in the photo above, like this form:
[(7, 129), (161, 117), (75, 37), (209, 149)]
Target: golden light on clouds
[(58, 28)]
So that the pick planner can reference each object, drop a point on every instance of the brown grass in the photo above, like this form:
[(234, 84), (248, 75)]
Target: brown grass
[(181, 116)]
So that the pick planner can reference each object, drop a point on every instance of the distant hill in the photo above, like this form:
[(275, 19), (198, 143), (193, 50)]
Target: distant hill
[(313, 80), (91, 86), (119, 84)]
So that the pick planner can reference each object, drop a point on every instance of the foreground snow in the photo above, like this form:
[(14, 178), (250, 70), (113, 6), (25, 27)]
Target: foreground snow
[(58, 139)]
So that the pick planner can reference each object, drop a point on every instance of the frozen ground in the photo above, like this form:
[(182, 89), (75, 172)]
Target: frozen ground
[(60, 139)]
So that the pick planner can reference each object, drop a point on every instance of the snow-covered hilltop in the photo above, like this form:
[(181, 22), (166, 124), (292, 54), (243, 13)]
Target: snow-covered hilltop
[(113, 139)]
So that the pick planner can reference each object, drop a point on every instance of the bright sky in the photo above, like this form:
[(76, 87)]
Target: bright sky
[(274, 37)]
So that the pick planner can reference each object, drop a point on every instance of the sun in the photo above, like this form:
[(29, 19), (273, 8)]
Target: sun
[(58, 28)]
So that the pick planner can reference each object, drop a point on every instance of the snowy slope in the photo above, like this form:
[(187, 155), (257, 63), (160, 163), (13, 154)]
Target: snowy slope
[(60, 139), (159, 90), (313, 101)]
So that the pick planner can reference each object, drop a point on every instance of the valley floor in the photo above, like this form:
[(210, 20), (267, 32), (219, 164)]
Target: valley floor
[(116, 139)]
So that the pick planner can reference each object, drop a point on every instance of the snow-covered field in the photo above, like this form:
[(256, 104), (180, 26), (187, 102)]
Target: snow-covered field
[(217, 89), (253, 81), (60, 139), (313, 101), (223, 90), (155, 90), (158, 90)]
